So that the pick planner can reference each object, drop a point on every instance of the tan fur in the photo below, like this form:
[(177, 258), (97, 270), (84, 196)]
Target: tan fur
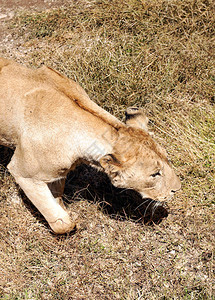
[(53, 125)]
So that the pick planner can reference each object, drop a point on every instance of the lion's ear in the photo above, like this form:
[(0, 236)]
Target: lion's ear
[(136, 117), (110, 163)]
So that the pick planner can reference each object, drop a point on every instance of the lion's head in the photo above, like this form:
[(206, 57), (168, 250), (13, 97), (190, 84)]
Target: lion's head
[(138, 162)]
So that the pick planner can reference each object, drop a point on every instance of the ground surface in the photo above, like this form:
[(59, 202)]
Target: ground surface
[(158, 55)]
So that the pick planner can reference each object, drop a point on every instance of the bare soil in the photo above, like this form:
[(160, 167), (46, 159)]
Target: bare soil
[(9, 8)]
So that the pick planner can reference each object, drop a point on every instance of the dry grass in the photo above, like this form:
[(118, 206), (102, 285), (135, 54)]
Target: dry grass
[(155, 54)]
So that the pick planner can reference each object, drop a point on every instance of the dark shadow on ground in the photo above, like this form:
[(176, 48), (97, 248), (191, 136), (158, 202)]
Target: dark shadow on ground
[(5, 156), (87, 183)]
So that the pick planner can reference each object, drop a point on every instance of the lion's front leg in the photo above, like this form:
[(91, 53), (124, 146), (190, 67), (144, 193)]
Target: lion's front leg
[(40, 195), (57, 189)]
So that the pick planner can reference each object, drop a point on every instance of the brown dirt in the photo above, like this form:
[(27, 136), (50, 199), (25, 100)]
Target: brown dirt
[(9, 8), (30, 4)]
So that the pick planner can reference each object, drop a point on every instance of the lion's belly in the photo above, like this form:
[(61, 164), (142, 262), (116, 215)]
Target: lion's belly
[(8, 122), (8, 135)]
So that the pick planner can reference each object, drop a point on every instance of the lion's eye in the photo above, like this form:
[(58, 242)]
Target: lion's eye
[(156, 174)]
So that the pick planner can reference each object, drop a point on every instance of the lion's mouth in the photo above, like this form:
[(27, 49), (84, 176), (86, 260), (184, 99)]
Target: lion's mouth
[(152, 211)]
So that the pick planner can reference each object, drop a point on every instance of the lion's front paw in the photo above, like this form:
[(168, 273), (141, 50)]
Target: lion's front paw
[(66, 224)]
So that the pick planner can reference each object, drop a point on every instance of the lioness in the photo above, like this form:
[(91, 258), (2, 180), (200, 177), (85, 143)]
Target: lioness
[(52, 125)]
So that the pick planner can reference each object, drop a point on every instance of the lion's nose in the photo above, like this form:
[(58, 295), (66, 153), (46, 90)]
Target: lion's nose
[(176, 185)]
